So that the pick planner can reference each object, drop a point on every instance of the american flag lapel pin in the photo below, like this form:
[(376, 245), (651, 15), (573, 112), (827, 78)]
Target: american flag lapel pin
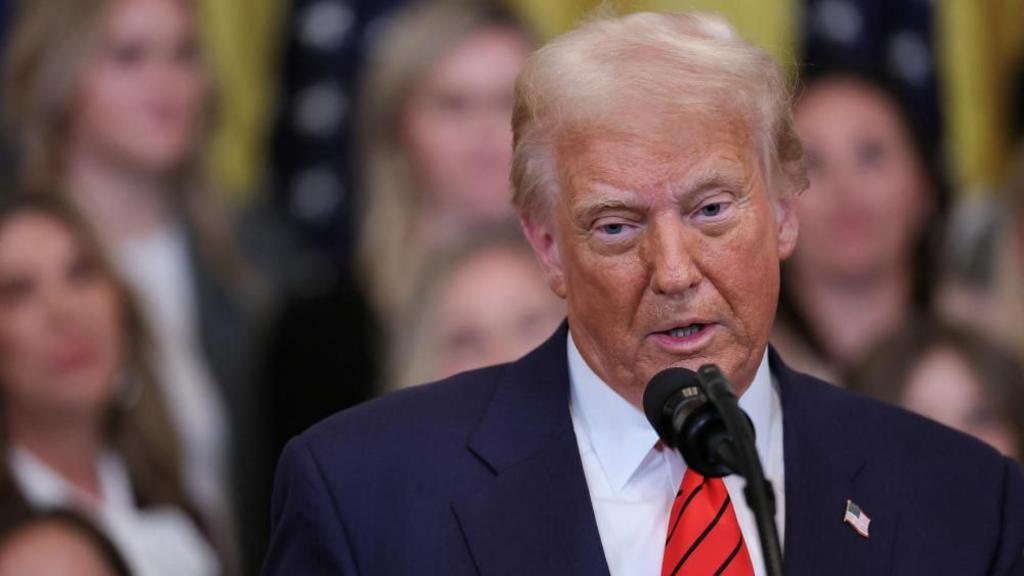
[(856, 518)]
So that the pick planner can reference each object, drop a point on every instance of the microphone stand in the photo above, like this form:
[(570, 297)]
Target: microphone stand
[(738, 449)]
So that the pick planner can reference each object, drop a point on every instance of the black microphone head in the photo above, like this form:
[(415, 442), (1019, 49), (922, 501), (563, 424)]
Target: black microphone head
[(658, 396)]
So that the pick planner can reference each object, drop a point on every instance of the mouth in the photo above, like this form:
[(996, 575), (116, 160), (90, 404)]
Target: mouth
[(686, 338)]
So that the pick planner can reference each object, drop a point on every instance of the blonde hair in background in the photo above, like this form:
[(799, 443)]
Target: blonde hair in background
[(683, 65), (413, 349), (48, 48), (50, 45), (390, 196)]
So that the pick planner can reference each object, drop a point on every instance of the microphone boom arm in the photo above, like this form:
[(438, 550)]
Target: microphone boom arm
[(739, 449)]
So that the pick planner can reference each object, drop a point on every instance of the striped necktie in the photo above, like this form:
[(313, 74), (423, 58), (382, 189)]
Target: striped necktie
[(704, 537)]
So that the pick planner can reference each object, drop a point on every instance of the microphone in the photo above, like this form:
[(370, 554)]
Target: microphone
[(699, 415), (676, 405)]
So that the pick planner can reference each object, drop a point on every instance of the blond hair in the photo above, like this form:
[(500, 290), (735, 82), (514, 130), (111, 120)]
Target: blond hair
[(51, 43), (48, 48), (414, 42), (679, 65), (413, 349)]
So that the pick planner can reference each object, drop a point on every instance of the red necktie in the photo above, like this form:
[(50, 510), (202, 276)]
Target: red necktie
[(704, 537)]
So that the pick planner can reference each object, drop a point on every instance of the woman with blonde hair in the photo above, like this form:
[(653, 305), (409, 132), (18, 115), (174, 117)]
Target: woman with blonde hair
[(82, 422), (436, 138), (481, 301), (109, 102)]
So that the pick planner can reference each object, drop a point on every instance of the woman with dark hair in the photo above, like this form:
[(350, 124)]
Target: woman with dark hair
[(951, 375), (869, 225), (82, 422)]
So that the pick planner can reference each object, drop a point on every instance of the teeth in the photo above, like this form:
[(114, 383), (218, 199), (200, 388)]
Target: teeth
[(685, 332)]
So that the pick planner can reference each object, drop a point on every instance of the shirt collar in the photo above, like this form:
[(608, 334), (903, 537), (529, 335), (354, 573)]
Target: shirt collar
[(45, 488), (619, 432)]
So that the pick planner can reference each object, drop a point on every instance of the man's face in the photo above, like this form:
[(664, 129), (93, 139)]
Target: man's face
[(667, 250)]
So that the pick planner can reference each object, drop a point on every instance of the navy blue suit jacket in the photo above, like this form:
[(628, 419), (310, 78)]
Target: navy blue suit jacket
[(480, 474)]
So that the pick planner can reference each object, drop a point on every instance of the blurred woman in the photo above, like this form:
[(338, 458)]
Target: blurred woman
[(436, 136), (109, 100), (83, 424), (482, 301), (953, 376), (868, 224)]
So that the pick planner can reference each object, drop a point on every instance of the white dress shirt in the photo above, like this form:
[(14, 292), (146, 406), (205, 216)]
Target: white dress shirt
[(159, 541), (158, 269), (633, 478)]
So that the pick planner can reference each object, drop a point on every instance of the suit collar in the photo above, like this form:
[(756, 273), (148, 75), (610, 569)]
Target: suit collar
[(530, 406), (534, 515)]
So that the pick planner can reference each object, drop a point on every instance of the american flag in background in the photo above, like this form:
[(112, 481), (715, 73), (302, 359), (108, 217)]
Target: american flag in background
[(325, 46), (894, 39)]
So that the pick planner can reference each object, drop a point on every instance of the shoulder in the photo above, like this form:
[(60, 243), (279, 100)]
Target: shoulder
[(437, 418), (906, 456), (880, 428)]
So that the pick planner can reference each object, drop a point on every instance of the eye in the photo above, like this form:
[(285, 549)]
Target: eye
[(15, 290), (871, 154), (612, 229), (127, 54), (712, 210)]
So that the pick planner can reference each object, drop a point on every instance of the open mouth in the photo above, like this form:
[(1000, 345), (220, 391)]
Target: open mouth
[(686, 336), (686, 331)]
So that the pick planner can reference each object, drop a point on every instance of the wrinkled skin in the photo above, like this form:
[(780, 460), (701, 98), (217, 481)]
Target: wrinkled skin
[(650, 234)]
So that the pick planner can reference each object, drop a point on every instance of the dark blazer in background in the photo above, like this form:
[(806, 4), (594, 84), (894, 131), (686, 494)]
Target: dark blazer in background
[(481, 474)]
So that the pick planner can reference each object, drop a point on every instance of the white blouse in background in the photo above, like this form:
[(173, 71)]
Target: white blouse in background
[(158, 268), (158, 541)]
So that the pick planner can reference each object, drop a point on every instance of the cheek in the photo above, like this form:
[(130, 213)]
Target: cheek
[(434, 151), (107, 93), (107, 323), (106, 114), (744, 270), (24, 347)]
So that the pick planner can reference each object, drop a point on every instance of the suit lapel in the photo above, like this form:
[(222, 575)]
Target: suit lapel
[(825, 467), (534, 516)]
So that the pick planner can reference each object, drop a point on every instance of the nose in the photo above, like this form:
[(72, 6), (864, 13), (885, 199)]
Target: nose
[(63, 308), (670, 253)]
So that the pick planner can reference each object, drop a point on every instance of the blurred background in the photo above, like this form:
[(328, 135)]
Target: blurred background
[(223, 220)]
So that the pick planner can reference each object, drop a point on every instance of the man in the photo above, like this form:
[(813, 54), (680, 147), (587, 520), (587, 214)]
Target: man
[(655, 170)]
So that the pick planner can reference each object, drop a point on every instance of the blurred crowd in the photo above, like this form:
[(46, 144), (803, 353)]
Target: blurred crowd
[(163, 334)]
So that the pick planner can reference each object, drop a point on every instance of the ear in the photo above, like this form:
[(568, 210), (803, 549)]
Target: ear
[(541, 235), (788, 225)]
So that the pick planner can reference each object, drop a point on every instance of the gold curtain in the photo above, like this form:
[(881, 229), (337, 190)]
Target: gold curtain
[(980, 41), (242, 40), (771, 24)]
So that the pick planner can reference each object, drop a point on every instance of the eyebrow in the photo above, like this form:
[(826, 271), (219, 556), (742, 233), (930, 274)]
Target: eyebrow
[(588, 210), (727, 175)]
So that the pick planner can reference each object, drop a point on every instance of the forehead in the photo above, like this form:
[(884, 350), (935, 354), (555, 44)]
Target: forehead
[(153, 18), (843, 106), (31, 237), (677, 154)]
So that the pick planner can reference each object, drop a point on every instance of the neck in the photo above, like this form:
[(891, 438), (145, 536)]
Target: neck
[(849, 316), (122, 203), (70, 446)]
